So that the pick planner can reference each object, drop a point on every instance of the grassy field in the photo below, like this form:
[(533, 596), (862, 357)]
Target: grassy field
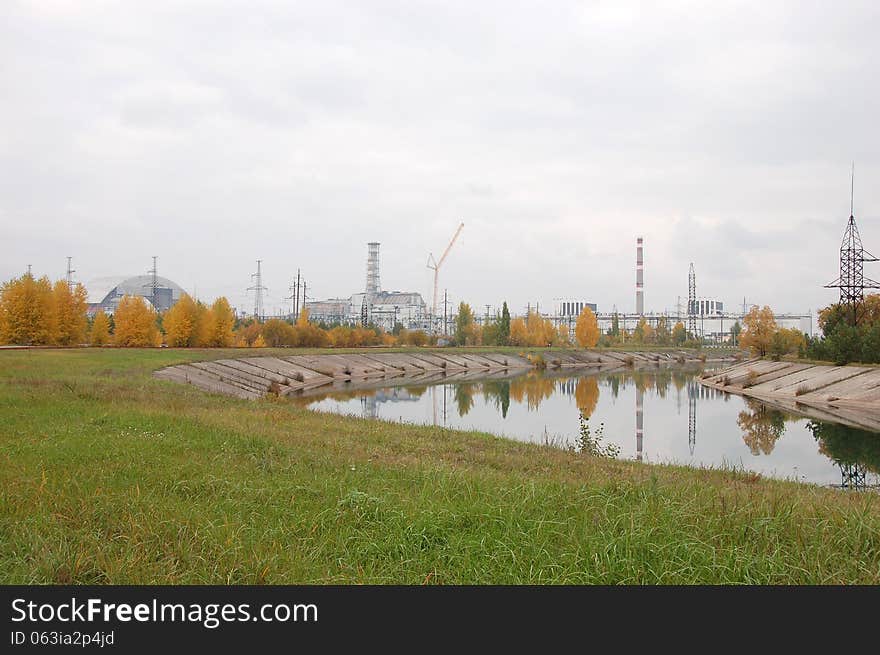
[(110, 476)]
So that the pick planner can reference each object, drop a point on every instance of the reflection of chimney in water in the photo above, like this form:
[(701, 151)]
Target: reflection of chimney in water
[(640, 399), (693, 391)]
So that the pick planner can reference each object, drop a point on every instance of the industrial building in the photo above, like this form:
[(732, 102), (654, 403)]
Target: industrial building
[(105, 293), (373, 306), (571, 308), (706, 307)]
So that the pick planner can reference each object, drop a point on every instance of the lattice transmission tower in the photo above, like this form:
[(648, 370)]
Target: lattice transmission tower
[(852, 281)]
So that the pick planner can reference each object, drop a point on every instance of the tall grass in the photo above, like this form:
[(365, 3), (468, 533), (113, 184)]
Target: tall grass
[(111, 476)]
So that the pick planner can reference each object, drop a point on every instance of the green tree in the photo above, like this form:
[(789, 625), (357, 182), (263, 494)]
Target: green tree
[(465, 325), (504, 326), (662, 335), (679, 334), (735, 330)]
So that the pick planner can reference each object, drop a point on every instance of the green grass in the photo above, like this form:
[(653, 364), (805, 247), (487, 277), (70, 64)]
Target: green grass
[(110, 476)]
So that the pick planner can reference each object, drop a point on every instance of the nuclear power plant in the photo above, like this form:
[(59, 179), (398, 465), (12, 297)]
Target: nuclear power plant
[(373, 306)]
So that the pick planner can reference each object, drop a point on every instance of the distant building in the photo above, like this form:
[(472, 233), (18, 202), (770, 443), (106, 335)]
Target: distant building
[(384, 309), (706, 307), (105, 293), (570, 308)]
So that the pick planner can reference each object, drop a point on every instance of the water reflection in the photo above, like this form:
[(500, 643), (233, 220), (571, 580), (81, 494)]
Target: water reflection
[(855, 451), (762, 426), (544, 406)]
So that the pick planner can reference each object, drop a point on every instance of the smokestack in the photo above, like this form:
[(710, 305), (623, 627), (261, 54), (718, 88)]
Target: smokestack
[(640, 279), (373, 286)]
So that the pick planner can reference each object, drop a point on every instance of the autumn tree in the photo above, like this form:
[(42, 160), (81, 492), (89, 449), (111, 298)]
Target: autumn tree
[(135, 324), (586, 329), (222, 320), (308, 334), (184, 323), (758, 329), (564, 335), (100, 332), (519, 335), (68, 322), (26, 311), (279, 333)]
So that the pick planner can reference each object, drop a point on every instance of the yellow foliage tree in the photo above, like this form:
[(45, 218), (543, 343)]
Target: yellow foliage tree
[(564, 335), (519, 335), (586, 330), (259, 342), (792, 340), (248, 333), (222, 321), (135, 324), (183, 323), (26, 310), (100, 333), (759, 326), (69, 321)]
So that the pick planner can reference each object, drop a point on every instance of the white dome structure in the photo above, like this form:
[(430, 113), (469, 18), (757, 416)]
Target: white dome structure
[(105, 293)]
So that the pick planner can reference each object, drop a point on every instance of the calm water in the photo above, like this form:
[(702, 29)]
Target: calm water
[(681, 421)]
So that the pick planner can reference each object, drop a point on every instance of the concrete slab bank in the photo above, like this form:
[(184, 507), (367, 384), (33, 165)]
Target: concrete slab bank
[(254, 377), (845, 394)]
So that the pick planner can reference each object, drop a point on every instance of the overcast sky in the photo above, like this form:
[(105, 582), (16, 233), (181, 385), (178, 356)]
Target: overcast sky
[(213, 134)]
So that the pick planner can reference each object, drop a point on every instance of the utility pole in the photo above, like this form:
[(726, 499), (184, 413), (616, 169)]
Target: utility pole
[(258, 290), (292, 298), (445, 319), (70, 272)]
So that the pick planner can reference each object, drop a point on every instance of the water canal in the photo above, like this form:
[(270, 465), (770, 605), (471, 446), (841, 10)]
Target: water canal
[(659, 415)]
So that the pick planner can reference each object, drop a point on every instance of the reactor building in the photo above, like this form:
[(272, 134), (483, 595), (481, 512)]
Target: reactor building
[(373, 306)]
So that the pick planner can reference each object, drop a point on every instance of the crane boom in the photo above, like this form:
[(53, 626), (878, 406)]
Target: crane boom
[(436, 266), (449, 247)]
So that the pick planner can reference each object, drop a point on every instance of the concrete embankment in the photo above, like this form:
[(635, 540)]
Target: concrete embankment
[(842, 394), (253, 377)]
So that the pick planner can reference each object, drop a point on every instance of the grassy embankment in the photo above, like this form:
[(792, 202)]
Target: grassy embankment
[(110, 476)]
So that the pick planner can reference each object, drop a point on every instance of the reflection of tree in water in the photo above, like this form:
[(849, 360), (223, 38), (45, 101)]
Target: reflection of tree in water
[(680, 378), (586, 395), (761, 426), (335, 394), (464, 397), (614, 385), (532, 388), (662, 380), (853, 450), (416, 391), (498, 391)]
